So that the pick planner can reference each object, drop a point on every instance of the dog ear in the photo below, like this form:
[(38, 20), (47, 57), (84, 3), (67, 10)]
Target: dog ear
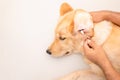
[(83, 21), (65, 7)]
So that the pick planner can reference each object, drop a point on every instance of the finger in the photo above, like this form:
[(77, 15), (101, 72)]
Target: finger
[(91, 44), (86, 46), (87, 50)]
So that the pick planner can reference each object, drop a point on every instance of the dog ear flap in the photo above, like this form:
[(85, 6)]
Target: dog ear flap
[(65, 7)]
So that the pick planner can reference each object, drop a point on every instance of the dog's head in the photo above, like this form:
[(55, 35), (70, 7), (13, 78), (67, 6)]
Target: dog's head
[(68, 39)]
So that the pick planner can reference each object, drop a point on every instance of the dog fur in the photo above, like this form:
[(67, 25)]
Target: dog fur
[(68, 40)]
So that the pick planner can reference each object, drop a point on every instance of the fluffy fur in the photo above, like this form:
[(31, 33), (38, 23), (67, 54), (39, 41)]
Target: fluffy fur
[(68, 40)]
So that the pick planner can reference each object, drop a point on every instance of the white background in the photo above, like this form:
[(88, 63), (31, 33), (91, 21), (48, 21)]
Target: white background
[(27, 29)]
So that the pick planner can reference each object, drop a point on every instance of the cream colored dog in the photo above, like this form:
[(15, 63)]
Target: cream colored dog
[(68, 39)]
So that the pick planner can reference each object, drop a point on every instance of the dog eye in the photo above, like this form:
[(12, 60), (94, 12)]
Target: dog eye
[(62, 38)]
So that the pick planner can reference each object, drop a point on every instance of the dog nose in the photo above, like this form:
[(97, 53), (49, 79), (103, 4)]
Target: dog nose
[(48, 51)]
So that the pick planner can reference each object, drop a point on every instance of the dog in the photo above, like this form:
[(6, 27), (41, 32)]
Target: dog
[(69, 39)]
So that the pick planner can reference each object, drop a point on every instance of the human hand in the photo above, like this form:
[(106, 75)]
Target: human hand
[(99, 16), (95, 53)]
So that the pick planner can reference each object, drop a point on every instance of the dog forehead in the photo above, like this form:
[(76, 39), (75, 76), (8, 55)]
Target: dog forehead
[(79, 18)]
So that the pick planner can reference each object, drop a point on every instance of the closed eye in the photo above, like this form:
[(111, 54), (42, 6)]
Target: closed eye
[(62, 38)]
